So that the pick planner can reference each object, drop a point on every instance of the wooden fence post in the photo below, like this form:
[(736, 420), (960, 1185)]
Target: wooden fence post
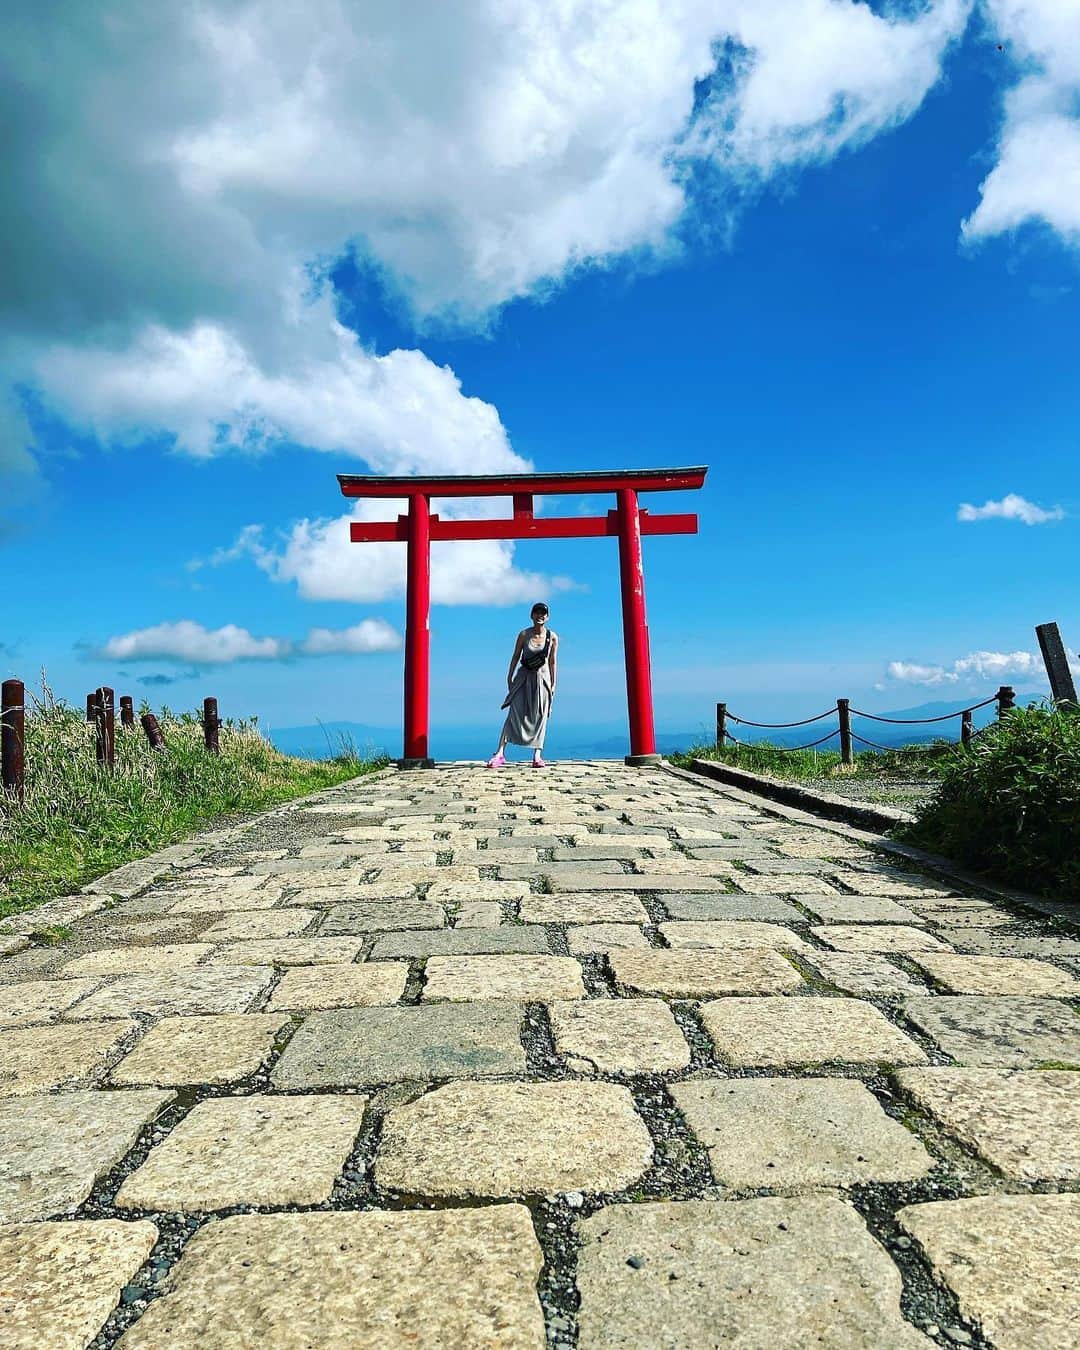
[(211, 722), (965, 728), (843, 712), (105, 727), (153, 731), (1056, 661), (91, 704), (1006, 699), (13, 737), (721, 725), (127, 711)]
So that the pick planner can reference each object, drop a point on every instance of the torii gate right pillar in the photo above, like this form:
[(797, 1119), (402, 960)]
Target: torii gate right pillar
[(635, 632)]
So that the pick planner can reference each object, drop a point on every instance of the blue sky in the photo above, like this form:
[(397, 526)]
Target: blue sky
[(758, 262)]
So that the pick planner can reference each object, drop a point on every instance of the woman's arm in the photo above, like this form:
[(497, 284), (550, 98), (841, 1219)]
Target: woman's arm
[(514, 659), (551, 660)]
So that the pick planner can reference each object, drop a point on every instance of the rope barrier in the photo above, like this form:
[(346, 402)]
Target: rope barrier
[(898, 749), (920, 721), (778, 726), (784, 749)]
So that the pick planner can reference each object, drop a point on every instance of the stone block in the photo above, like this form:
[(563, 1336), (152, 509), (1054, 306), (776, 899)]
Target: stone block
[(248, 1151), (798, 1133), (60, 1281), (260, 923), (354, 1281), (624, 1036), (514, 1139), (185, 993), (799, 1273), (215, 1049), (367, 1046), (39, 1059), (1013, 1262), (785, 1033), (878, 938), (734, 935), (54, 1148), (756, 908), (998, 1030), (290, 952), (350, 986), (584, 907), (524, 979), (703, 973), (601, 937), (377, 916), (864, 973), (857, 909), (35, 1001), (1024, 1122), (997, 975), (137, 960), (507, 938)]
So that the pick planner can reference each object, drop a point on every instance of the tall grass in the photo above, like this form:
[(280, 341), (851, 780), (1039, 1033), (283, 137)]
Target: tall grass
[(1010, 807), (79, 821)]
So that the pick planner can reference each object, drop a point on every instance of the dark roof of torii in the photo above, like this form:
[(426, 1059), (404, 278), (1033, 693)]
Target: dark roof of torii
[(505, 484)]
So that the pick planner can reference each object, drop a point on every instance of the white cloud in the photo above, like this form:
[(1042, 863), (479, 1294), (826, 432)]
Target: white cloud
[(194, 644), (974, 666), (483, 154), (318, 557), (1037, 172), (190, 641), (369, 635), (1010, 507)]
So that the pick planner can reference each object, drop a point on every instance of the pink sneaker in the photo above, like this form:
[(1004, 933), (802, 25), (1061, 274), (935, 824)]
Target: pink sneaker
[(540, 763), (496, 762)]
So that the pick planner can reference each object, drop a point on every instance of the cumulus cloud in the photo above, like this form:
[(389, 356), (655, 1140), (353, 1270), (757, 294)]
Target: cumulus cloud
[(191, 642), (369, 635), (974, 666), (1010, 507), (164, 275), (318, 558), (1036, 176)]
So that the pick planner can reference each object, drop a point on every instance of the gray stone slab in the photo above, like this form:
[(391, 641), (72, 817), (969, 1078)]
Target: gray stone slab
[(184, 993), (756, 908), (53, 1148), (787, 1032), (514, 1139), (798, 1133), (520, 938), (998, 1030), (523, 979), (375, 916), (601, 937), (584, 907), (137, 960), (690, 934), (60, 1281), (353, 1281), (350, 986), (260, 923), (34, 1001), (626, 881), (1013, 1262), (993, 944), (258, 1150), (365, 1046), (880, 937), (857, 909), (1024, 1122), (997, 975), (799, 1273), (699, 974), (615, 1035), (580, 873)]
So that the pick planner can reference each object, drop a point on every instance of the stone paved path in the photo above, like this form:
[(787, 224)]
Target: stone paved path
[(600, 1056)]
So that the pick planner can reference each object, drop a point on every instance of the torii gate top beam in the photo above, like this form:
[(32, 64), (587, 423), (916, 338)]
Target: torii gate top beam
[(507, 484)]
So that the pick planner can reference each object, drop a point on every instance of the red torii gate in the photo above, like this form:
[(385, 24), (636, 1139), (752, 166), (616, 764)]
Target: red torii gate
[(419, 528)]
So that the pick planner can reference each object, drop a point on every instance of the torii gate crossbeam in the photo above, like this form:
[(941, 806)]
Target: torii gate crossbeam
[(419, 528)]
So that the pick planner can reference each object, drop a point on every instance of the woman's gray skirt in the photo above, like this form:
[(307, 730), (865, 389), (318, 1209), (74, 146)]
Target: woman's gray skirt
[(528, 705)]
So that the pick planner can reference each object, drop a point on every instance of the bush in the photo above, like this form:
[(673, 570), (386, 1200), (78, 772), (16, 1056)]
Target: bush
[(79, 821), (1010, 808)]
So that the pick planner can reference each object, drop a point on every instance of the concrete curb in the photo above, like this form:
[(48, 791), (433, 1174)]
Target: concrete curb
[(867, 817)]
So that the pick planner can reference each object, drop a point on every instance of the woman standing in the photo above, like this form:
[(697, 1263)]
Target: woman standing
[(530, 690)]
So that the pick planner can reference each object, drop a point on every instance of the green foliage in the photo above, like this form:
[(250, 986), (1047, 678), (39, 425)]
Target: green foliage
[(1010, 807), (79, 821), (802, 765)]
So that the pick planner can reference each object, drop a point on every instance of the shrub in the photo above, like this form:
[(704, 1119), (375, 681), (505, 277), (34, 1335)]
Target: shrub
[(79, 821), (1010, 807)]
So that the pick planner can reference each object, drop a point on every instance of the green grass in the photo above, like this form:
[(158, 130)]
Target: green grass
[(79, 821), (921, 761), (1010, 807)]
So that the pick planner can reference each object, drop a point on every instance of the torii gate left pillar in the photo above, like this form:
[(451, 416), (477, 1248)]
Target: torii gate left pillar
[(420, 527)]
